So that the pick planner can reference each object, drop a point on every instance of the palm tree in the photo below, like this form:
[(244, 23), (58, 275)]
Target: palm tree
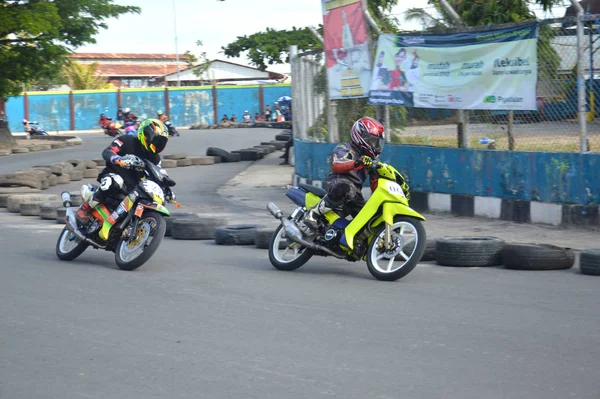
[(84, 77)]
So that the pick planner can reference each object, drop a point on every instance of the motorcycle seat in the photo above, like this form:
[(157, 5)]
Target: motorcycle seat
[(319, 192)]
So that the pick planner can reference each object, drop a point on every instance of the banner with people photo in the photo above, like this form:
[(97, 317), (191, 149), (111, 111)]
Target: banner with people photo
[(492, 69), (346, 49)]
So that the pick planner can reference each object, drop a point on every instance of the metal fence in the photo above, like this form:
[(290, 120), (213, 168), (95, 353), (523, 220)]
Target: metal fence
[(554, 126)]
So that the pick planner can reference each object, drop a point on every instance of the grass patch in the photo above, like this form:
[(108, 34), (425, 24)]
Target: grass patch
[(548, 143)]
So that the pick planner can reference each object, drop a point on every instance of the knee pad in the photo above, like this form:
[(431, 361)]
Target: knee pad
[(111, 181)]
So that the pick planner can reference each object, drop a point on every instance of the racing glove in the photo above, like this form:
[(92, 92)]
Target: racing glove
[(363, 162)]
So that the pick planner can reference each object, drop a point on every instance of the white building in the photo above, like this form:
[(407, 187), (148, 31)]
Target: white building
[(220, 72)]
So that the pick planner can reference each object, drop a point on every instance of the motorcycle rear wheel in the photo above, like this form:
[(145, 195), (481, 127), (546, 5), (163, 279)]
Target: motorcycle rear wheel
[(405, 230), (150, 232), (69, 246), (300, 255)]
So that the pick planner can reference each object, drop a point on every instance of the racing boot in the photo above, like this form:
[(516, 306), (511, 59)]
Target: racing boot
[(321, 208)]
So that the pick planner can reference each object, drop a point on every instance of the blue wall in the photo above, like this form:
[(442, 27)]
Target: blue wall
[(89, 106), (191, 106), (188, 105), (15, 111), (538, 176), (235, 101), (51, 111)]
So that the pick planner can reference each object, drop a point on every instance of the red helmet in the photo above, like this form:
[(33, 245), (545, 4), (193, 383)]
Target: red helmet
[(368, 136)]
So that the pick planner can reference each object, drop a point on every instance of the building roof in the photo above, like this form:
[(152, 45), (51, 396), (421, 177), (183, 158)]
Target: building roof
[(271, 75), (120, 56), (137, 70)]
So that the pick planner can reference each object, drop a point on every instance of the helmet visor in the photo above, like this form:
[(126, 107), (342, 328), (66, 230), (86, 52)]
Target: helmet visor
[(158, 143), (376, 143)]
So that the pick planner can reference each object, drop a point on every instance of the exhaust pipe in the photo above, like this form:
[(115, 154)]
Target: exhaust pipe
[(294, 233), (72, 222)]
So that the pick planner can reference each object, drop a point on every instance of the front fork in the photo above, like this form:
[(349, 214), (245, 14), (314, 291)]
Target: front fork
[(387, 237)]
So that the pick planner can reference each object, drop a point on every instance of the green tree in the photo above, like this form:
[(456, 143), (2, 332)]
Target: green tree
[(36, 37)]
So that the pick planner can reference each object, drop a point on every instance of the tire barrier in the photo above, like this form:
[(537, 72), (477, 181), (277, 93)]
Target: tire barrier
[(225, 155), (20, 150), (216, 159), (7, 192), (5, 152), (13, 202), (530, 256), (48, 210), (56, 146), (589, 262), (78, 164), (90, 164), (469, 251), (168, 163), (199, 228), (247, 155), (30, 208), (90, 173), (283, 137), (76, 175), (176, 215), (237, 234), (63, 179), (202, 160), (61, 215), (176, 156), (184, 162), (99, 162), (52, 180), (428, 254), (262, 237), (16, 181)]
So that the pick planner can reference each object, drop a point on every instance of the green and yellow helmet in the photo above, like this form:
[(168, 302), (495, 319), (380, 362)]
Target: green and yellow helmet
[(153, 135)]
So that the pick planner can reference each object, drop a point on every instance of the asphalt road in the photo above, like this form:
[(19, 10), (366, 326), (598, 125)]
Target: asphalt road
[(205, 321)]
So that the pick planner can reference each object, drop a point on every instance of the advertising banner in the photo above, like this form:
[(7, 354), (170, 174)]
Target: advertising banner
[(492, 69), (346, 49)]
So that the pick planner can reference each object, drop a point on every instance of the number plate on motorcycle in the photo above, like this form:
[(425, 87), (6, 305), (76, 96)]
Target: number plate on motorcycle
[(394, 188), (139, 210)]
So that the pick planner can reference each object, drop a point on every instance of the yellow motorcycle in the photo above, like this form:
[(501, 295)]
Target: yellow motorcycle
[(387, 233)]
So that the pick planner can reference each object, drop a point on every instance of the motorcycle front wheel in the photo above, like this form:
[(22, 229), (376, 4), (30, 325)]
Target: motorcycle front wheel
[(69, 246), (285, 254), (133, 253), (409, 240)]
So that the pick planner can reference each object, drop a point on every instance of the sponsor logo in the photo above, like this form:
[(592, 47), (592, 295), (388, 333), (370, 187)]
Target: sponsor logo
[(489, 99), (511, 62), (119, 143), (506, 100)]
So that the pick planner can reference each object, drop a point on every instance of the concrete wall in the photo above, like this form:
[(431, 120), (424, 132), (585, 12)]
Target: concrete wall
[(553, 188), (185, 105)]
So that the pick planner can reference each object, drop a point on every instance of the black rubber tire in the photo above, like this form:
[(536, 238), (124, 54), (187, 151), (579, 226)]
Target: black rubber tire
[(236, 234), (176, 156), (176, 215), (159, 233), (429, 253), (225, 155), (293, 265), (283, 137), (247, 155), (263, 236), (196, 228), (531, 256), (68, 256), (413, 260), (589, 262), (469, 251)]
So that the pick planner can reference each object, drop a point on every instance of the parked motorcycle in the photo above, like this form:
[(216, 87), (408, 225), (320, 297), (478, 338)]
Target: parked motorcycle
[(387, 233), (136, 234)]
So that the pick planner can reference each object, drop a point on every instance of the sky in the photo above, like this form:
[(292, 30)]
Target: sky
[(215, 23)]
